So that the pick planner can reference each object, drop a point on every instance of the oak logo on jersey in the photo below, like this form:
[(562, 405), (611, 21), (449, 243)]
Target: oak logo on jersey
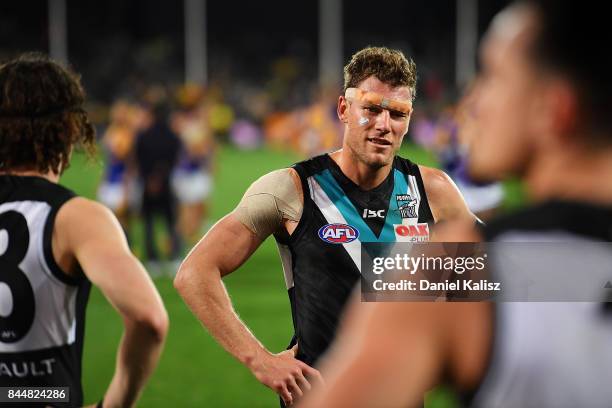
[(406, 205), (412, 233), (338, 233)]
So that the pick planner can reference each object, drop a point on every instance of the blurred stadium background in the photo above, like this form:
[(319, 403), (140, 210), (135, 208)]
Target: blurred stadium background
[(262, 79)]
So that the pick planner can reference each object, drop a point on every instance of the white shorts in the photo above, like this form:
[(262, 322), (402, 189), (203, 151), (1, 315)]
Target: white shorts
[(191, 187)]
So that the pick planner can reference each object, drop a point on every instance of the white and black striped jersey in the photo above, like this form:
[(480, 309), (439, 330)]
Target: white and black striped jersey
[(553, 354), (42, 309), (322, 258)]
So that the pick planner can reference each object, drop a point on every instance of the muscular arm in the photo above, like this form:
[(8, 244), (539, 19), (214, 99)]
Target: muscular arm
[(93, 235), (445, 199), (266, 208), (222, 250)]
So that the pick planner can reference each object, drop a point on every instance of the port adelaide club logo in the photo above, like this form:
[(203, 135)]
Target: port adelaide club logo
[(338, 233), (407, 205)]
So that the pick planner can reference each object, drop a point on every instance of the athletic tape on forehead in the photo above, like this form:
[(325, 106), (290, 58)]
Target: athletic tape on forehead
[(378, 100)]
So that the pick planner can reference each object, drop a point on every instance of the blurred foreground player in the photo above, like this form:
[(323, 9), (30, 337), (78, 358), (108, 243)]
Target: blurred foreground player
[(543, 109), (53, 245), (319, 212)]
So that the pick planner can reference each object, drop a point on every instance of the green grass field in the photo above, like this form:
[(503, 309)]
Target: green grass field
[(194, 371)]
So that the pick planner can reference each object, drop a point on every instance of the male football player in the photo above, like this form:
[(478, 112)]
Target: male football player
[(319, 211), (54, 245)]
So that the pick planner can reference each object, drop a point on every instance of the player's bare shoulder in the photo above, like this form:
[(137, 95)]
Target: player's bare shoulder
[(83, 214), (79, 222), (444, 197), (83, 221), (437, 182)]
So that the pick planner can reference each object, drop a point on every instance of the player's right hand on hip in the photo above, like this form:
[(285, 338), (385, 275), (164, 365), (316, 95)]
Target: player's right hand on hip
[(289, 377)]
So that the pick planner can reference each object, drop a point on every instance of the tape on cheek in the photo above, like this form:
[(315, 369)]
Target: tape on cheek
[(363, 121)]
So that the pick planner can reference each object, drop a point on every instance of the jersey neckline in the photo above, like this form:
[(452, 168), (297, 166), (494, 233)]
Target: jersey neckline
[(346, 181)]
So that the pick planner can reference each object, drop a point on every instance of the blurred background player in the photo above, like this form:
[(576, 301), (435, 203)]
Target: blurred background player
[(54, 245), (118, 189), (192, 178), (542, 105), (319, 211), (156, 154)]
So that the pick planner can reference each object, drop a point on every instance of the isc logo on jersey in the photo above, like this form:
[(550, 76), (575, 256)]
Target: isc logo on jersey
[(412, 233), (338, 233)]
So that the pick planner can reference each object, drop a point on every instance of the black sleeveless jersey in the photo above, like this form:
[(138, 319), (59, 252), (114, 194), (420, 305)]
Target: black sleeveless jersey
[(42, 309), (322, 258)]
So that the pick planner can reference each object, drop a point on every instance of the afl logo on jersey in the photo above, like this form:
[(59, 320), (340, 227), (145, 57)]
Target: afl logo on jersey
[(338, 233)]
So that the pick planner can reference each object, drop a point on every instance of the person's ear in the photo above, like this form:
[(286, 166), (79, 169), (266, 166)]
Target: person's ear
[(555, 112), (342, 109), (564, 116)]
